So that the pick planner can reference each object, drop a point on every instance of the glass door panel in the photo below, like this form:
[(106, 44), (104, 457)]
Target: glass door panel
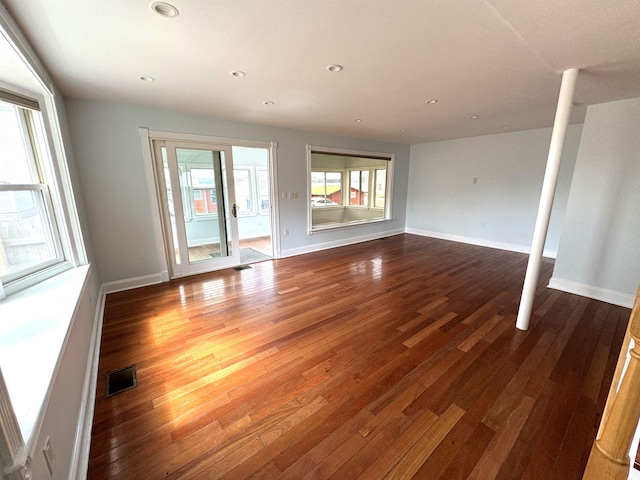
[(198, 209)]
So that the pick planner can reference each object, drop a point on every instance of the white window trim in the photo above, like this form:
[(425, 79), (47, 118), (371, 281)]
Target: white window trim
[(59, 203), (388, 208), (17, 451)]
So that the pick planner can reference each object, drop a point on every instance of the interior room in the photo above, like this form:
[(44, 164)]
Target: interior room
[(318, 239)]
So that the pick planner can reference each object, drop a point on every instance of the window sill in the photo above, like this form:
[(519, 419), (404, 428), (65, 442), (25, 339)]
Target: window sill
[(34, 326), (339, 226)]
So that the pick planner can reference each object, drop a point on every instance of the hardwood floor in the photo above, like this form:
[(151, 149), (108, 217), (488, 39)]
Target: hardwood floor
[(396, 358)]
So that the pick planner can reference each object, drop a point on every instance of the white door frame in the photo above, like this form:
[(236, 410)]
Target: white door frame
[(186, 267), (148, 136)]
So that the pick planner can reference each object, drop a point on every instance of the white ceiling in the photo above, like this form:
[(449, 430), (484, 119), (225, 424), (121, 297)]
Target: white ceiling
[(499, 59)]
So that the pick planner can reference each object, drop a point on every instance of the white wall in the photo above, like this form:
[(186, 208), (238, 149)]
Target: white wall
[(110, 164), (499, 210), (599, 252), (67, 413)]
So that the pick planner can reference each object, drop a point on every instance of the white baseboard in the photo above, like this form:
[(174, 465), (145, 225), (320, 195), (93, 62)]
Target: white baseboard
[(316, 247), (135, 282), (80, 460), (479, 242), (589, 291)]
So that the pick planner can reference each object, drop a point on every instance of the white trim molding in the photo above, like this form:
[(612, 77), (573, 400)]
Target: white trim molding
[(82, 446), (590, 291), (135, 282), (14, 458), (316, 247), (479, 242)]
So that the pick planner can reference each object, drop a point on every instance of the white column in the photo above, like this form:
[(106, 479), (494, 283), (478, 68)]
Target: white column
[(563, 111)]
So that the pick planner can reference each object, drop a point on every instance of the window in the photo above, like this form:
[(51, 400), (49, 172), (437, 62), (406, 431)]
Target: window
[(244, 190), (30, 244), (263, 189), (380, 188), (326, 189), (359, 187), (347, 188)]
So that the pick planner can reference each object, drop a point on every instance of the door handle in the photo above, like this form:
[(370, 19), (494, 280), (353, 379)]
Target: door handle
[(234, 210)]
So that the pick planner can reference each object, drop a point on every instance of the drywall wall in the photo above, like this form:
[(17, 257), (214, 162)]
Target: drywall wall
[(108, 150), (65, 419), (598, 253), (500, 209)]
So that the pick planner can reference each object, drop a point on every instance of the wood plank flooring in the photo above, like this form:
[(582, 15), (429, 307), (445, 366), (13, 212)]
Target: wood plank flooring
[(396, 358)]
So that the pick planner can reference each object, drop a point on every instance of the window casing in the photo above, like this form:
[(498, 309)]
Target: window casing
[(31, 247), (347, 188)]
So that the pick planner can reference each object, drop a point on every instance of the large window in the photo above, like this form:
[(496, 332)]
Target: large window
[(30, 244), (347, 188)]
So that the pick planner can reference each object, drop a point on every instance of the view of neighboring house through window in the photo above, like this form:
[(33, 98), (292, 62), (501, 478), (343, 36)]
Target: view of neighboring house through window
[(326, 188), (29, 238), (347, 188)]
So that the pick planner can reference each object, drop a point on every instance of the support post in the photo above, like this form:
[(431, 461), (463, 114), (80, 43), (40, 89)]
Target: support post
[(563, 111)]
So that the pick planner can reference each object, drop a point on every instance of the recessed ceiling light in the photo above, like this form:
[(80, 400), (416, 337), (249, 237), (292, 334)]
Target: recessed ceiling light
[(238, 73), (267, 102), (146, 78), (165, 9), (431, 102), (334, 68), (358, 120), (403, 130), (473, 117)]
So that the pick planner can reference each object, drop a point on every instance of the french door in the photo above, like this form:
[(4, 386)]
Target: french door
[(198, 206)]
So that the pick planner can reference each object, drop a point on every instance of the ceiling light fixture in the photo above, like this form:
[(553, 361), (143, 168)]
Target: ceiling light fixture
[(473, 117), (165, 9), (358, 120), (238, 73), (403, 130), (268, 102), (334, 68), (146, 78), (431, 102)]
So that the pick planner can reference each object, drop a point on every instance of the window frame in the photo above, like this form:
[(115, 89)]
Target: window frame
[(46, 165), (252, 179), (346, 186), (325, 195)]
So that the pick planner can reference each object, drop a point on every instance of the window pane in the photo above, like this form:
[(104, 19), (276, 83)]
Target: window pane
[(334, 188), (263, 189), (203, 180), (242, 183), (24, 241), (317, 186), (16, 166), (354, 190), (364, 188), (380, 188)]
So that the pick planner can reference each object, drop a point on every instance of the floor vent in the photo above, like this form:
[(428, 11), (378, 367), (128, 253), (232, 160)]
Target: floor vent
[(121, 380), (242, 267)]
